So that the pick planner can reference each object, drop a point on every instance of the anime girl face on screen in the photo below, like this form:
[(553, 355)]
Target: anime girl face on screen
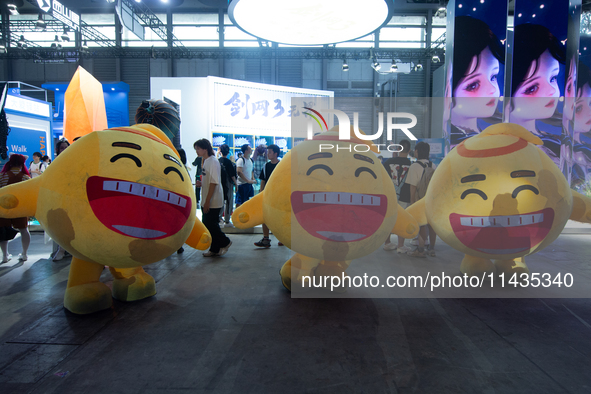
[(581, 174), (477, 59), (536, 66)]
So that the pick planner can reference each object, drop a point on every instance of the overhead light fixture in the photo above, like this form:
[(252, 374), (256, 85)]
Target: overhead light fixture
[(56, 44), (345, 65), (85, 45), (12, 9), (435, 59), (419, 67), (65, 36), (393, 67), (41, 25), (21, 43), (110, 1), (310, 22), (376, 65)]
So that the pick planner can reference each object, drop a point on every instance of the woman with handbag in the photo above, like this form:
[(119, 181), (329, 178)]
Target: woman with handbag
[(15, 171)]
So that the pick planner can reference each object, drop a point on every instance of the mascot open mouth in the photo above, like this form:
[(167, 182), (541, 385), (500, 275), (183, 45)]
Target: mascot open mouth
[(339, 217), (502, 234), (137, 210)]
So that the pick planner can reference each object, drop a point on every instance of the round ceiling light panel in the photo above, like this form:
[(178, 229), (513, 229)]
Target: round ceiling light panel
[(310, 22)]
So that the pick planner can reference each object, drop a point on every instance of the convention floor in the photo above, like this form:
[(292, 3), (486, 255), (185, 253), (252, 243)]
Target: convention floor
[(227, 325)]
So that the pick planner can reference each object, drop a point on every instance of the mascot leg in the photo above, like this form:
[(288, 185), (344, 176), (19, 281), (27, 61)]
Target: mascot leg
[(333, 268), (301, 266), (510, 267), (476, 266), (85, 293), (132, 284)]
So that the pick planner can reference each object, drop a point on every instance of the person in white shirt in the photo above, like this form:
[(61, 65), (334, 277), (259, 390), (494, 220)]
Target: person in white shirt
[(245, 176), (212, 198), (36, 167)]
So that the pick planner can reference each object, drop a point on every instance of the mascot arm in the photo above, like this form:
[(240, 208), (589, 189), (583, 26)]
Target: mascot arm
[(581, 208), (406, 226), (417, 211), (19, 199), (199, 237), (249, 214)]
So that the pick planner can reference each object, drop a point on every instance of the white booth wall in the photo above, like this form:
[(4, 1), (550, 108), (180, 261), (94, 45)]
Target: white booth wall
[(206, 107)]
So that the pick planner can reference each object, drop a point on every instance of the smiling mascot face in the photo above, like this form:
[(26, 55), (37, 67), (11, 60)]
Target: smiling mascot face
[(118, 197), (498, 196), (330, 205)]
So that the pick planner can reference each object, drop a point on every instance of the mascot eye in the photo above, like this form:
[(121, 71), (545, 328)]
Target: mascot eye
[(172, 169), (474, 191), (365, 169), (320, 167), (126, 156), (524, 187)]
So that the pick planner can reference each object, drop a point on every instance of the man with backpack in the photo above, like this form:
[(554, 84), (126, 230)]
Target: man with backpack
[(228, 177), (397, 168), (419, 175), (245, 176)]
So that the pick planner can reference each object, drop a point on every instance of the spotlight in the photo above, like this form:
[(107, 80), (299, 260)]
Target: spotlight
[(441, 13), (418, 67), (393, 67), (41, 25), (12, 9), (435, 59), (65, 36), (21, 43), (345, 65), (85, 45), (56, 44), (375, 65)]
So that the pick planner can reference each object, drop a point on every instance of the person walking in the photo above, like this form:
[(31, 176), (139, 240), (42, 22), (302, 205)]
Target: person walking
[(212, 199), (266, 171), (15, 171), (229, 170)]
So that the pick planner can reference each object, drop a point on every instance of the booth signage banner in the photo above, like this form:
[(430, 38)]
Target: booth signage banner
[(26, 142), (244, 108), (31, 107)]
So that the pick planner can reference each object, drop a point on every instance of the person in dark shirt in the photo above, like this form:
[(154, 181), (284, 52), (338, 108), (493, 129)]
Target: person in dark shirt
[(227, 184), (273, 152), (397, 168)]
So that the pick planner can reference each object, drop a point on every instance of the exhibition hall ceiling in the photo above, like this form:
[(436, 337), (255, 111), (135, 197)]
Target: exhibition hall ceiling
[(101, 6)]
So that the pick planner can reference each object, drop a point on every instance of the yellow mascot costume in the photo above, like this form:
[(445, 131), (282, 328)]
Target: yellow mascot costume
[(329, 206), (497, 196), (119, 198)]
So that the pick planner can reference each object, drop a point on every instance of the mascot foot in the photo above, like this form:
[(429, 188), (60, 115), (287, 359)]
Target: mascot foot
[(299, 266), (132, 286), (88, 298), (476, 266), (510, 267), (285, 273)]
